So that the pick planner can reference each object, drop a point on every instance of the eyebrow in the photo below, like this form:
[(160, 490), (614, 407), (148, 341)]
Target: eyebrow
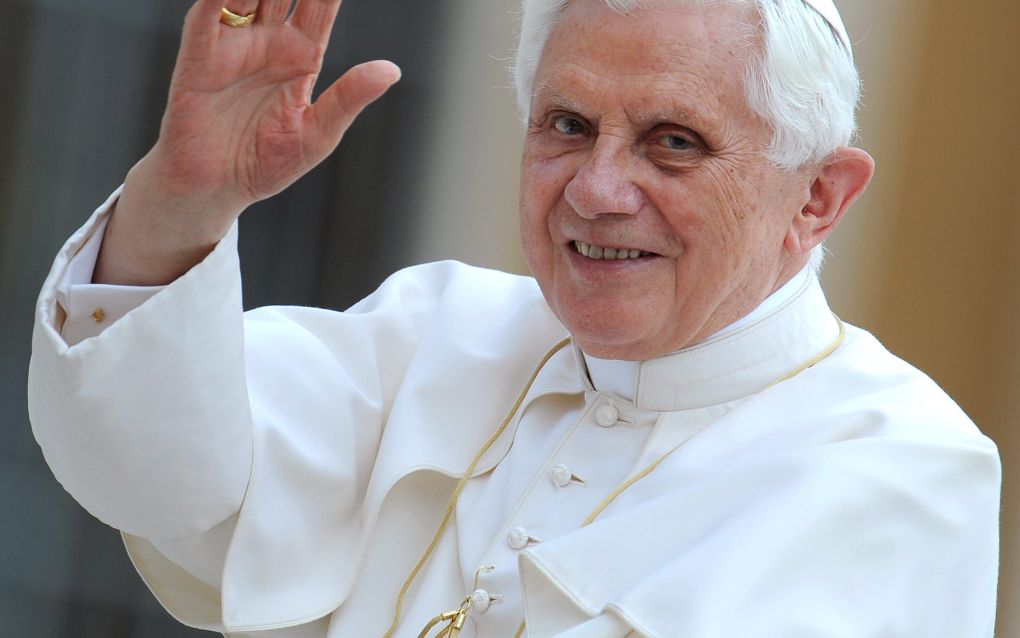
[(544, 92), (648, 118), (667, 107), (675, 111)]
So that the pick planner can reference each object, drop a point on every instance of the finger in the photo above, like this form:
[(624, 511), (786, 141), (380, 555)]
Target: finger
[(201, 28), (274, 11), (335, 110), (315, 18)]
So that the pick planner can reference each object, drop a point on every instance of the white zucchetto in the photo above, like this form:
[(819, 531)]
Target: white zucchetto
[(827, 9)]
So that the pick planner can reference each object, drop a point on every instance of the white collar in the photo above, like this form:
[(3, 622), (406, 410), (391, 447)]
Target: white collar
[(790, 327)]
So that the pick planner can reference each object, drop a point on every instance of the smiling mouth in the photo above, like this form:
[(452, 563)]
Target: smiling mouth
[(600, 253)]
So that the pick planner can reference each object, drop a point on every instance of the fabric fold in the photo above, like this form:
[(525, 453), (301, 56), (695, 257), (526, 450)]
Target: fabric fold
[(721, 537), (92, 435)]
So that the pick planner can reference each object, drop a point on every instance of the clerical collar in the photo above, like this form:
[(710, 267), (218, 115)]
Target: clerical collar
[(623, 378)]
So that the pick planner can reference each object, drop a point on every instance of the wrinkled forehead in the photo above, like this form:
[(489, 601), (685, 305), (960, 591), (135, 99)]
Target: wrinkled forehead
[(824, 8), (663, 36), (659, 63)]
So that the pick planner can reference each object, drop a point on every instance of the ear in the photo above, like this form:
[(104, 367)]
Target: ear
[(841, 178)]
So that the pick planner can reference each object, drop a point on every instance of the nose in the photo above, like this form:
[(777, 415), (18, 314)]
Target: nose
[(602, 184)]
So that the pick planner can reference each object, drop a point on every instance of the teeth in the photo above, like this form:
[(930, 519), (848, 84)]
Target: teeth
[(599, 253)]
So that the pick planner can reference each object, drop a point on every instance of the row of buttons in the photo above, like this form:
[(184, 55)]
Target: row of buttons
[(606, 415)]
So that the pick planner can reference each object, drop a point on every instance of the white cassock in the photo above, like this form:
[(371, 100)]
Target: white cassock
[(284, 471)]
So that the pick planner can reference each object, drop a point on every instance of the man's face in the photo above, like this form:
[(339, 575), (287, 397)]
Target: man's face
[(641, 144)]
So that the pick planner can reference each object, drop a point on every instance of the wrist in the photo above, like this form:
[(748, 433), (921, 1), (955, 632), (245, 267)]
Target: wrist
[(157, 232)]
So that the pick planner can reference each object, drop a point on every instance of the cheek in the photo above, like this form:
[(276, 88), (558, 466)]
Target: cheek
[(542, 184), (537, 199), (544, 178), (724, 208), (694, 214)]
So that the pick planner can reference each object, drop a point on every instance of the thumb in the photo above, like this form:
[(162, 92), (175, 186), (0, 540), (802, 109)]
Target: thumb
[(338, 106)]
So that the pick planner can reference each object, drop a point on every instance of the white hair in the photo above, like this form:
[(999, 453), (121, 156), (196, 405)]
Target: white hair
[(802, 81)]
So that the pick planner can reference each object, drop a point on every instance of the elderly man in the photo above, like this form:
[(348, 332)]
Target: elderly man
[(665, 433)]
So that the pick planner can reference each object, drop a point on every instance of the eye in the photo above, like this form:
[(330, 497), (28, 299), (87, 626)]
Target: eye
[(569, 125), (675, 142)]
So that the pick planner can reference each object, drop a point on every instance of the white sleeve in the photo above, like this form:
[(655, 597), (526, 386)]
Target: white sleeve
[(228, 445), (87, 308), (118, 415)]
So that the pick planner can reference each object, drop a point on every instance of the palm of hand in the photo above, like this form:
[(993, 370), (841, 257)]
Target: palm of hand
[(239, 125)]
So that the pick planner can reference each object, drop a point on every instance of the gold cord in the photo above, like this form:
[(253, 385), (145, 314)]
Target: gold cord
[(447, 617), (824, 354), (451, 506), (461, 614), (651, 468), (456, 618)]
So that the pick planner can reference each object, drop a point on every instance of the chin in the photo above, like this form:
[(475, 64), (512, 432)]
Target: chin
[(610, 335), (623, 351)]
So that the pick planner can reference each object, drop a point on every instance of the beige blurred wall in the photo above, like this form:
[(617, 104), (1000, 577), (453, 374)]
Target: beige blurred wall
[(469, 197), (926, 260)]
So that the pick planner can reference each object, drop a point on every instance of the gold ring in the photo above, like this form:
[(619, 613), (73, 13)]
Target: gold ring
[(232, 19)]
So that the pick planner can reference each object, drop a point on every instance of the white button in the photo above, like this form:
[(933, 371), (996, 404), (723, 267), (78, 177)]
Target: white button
[(480, 600), (607, 415), (561, 475), (518, 538)]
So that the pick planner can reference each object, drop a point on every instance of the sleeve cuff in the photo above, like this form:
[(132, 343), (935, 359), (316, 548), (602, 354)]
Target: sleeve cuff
[(162, 389), (87, 308)]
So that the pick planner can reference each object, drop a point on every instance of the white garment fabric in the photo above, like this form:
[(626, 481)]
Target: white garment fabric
[(827, 9), (279, 474), (81, 300)]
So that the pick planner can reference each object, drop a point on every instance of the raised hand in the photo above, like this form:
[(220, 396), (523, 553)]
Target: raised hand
[(239, 127)]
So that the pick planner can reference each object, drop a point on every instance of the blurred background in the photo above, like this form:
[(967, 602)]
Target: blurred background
[(927, 260)]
